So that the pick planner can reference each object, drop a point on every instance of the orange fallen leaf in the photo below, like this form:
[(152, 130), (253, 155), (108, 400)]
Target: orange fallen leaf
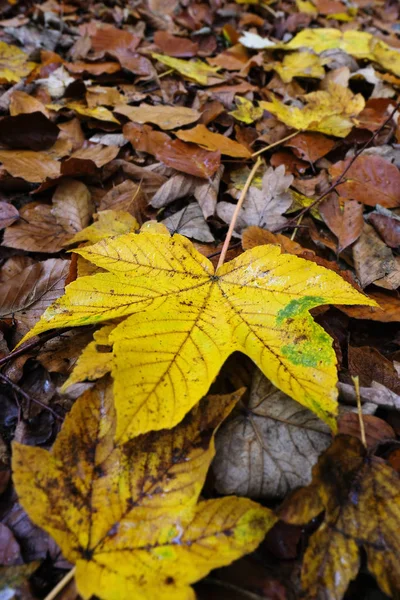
[(213, 141)]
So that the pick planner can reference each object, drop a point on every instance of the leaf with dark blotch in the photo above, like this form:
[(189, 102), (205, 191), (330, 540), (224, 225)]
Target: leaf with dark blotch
[(32, 131), (360, 495)]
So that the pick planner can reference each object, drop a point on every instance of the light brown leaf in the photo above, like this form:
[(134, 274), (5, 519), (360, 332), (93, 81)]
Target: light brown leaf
[(72, 205), (23, 103), (213, 141), (344, 219), (166, 117), (372, 258), (100, 155), (34, 167)]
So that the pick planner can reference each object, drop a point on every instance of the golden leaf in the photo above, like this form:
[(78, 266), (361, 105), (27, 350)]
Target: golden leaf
[(98, 112), (192, 69), (14, 64), (300, 64), (184, 320), (166, 117), (34, 167), (332, 112), (360, 495), (246, 111), (109, 223), (128, 516), (213, 141)]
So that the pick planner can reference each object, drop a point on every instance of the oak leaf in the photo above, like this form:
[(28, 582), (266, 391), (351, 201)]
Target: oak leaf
[(331, 111), (185, 319), (360, 495), (128, 515)]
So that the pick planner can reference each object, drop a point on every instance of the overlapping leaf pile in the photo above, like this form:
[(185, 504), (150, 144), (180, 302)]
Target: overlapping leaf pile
[(119, 125)]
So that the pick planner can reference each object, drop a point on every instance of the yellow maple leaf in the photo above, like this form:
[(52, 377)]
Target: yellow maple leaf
[(185, 319), (128, 516), (360, 497), (332, 112), (300, 64), (109, 223), (14, 63), (197, 70), (246, 111)]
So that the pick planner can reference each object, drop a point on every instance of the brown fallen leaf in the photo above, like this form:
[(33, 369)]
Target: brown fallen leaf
[(371, 180), (189, 158), (72, 205), (23, 103), (360, 495), (263, 207), (370, 365), (372, 258), (388, 228), (376, 430), (270, 449), (8, 214), (32, 131), (34, 167), (310, 146), (93, 68), (256, 236), (27, 295), (166, 117), (100, 155), (387, 311), (172, 45), (213, 141), (36, 231), (344, 218)]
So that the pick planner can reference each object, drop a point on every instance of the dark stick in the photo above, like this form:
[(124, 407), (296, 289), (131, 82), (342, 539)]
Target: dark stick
[(27, 397), (292, 222)]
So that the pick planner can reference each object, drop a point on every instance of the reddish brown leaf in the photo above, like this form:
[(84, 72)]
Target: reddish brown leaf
[(376, 430), (387, 227), (344, 219), (189, 158), (112, 40), (32, 131), (290, 161), (310, 146), (175, 46), (93, 68), (370, 365), (371, 180)]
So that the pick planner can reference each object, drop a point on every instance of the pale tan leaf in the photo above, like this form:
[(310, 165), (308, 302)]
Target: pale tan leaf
[(72, 205)]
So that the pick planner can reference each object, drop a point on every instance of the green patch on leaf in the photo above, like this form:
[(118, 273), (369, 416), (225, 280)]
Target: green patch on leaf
[(298, 306)]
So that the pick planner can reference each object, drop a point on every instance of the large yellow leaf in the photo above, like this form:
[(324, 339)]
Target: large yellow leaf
[(128, 516), (300, 64), (332, 112), (185, 320), (14, 64), (360, 497)]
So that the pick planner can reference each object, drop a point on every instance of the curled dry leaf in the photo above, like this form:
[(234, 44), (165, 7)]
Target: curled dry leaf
[(189, 222), (26, 295), (360, 497), (166, 117), (371, 180), (263, 207), (8, 214), (34, 167), (166, 286), (213, 141), (135, 527)]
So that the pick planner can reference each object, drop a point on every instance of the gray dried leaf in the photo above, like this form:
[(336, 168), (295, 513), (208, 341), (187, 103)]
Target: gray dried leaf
[(262, 207), (372, 258), (190, 222), (271, 449), (376, 393)]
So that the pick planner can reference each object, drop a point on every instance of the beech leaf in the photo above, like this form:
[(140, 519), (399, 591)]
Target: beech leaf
[(184, 320), (166, 117), (128, 515)]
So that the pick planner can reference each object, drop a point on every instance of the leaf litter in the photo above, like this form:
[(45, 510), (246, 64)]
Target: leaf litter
[(125, 132)]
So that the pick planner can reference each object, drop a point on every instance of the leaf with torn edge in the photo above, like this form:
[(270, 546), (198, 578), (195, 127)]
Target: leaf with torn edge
[(360, 495), (263, 207), (184, 320), (128, 515), (270, 449)]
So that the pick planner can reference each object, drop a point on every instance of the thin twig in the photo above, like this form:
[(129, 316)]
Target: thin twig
[(236, 213), (27, 397), (339, 180), (285, 139), (61, 584), (356, 382)]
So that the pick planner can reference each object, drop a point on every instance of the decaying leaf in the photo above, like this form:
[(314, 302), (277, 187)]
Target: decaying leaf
[(360, 495), (134, 526), (332, 112), (372, 258), (8, 214), (189, 222), (263, 207), (174, 299)]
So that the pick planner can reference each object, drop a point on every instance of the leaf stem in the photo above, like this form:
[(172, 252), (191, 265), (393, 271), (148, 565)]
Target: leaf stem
[(285, 139), (356, 382), (61, 584), (236, 213)]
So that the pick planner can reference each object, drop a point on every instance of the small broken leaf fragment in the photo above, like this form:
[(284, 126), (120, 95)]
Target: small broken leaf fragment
[(360, 495), (134, 527), (173, 299)]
